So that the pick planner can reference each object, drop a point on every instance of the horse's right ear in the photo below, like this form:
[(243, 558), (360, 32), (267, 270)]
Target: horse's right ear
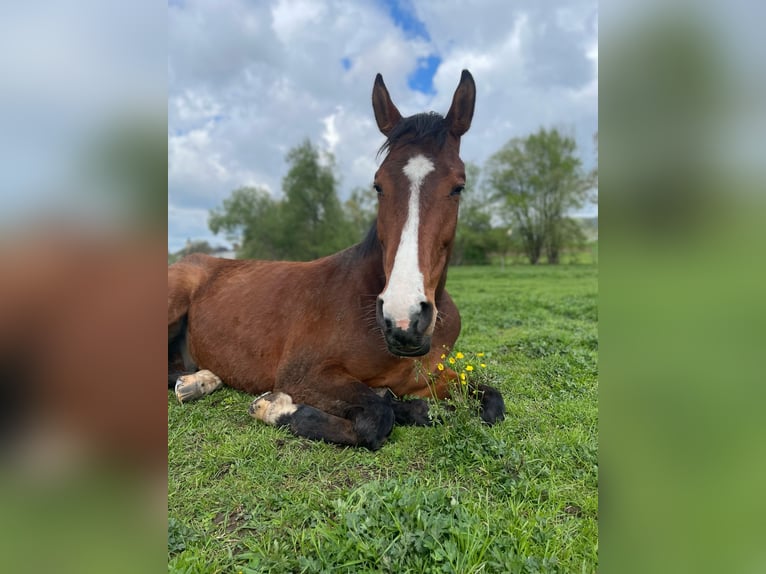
[(386, 113)]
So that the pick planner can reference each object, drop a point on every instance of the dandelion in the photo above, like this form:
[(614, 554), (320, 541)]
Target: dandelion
[(479, 354), (443, 356), (483, 366), (440, 366), (462, 378), (469, 368), (459, 356), (451, 361)]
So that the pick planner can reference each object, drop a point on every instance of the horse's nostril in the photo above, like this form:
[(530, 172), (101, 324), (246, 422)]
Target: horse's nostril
[(423, 320)]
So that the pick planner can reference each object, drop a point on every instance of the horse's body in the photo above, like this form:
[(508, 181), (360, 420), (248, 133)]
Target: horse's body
[(280, 326), (318, 336)]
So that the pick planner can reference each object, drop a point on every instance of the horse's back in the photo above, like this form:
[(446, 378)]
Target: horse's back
[(185, 278)]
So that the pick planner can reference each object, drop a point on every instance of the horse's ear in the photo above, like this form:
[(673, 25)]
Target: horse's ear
[(386, 113), (461, 111)]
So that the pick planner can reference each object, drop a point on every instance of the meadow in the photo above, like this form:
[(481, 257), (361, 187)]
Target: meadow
[(459, 496)]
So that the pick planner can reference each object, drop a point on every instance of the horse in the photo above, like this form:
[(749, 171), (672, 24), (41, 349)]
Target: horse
[(335, 345)]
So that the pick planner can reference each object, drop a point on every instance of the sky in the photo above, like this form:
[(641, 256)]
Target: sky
[(247, 81)]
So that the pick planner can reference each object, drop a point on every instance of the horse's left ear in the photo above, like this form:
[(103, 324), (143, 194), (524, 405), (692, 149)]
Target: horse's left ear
[(461, 111)]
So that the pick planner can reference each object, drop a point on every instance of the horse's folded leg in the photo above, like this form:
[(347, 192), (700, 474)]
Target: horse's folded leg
[(412, 412), (196, 385), (278, 409), (492, 404)]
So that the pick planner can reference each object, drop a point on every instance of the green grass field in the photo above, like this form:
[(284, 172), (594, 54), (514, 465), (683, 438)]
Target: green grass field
[(456, 497)]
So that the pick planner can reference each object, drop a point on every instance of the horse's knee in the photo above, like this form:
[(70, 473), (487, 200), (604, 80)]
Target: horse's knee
[(373, 424), (492, 404)]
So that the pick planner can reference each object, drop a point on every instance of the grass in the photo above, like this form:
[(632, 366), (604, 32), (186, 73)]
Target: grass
[(458, 497)]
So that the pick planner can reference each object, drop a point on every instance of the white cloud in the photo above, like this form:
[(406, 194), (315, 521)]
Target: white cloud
[(190, 156), (330, 134)]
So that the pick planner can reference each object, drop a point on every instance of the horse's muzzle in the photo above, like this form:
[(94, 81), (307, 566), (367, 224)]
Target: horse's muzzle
[(411, 341), (409, 351)]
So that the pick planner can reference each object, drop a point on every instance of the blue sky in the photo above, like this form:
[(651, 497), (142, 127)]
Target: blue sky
[(403, 15)]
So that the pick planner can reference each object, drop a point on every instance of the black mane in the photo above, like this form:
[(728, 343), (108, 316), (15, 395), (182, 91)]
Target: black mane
[(428, 125), (370, 243)]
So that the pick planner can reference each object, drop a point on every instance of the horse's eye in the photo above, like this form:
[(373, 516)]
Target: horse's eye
[(458, 190), (377, 188)]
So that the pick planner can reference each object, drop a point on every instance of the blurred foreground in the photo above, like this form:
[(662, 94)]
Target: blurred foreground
[(82, 287), (682, 307)]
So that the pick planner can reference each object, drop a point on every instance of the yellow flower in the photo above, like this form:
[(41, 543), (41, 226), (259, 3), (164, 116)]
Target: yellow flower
[(451, 361), (483, 366), (459, 356), (469, 368), (479, 354), (443, 356), (462, 376), (440, 367)]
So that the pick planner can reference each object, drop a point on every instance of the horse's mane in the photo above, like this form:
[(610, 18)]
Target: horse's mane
[(370, 243), (428, 125)]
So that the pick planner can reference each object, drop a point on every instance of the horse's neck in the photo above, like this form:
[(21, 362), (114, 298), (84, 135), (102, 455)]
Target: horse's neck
[(368, 267)]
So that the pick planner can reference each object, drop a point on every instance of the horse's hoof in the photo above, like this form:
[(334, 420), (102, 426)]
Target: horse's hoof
[(272, 407), (492, 405), (196, 385), (259, 405)]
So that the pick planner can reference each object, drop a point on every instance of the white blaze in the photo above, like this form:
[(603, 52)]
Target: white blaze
[(406, 291)]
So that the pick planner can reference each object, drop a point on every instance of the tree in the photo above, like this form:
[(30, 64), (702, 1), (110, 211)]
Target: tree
[(307, 223), (475, 239), (314, 222), (251, 217), (538, 180), (361, 209)]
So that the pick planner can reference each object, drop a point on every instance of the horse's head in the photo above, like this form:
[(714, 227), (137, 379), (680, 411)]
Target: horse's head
[(419, 185)]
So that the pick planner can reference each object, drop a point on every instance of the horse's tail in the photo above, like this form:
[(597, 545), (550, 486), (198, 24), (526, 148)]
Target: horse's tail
[(184, 280)]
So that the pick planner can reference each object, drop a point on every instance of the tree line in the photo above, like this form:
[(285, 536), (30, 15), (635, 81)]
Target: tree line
[(517, 204)]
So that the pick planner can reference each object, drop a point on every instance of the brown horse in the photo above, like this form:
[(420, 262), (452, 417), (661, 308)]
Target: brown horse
[(334, 343)]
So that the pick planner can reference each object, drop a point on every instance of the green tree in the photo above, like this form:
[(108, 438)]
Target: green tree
[(361, 209), (312, 216), (476, 238), (538, 180), (309, 221), (250, 217)]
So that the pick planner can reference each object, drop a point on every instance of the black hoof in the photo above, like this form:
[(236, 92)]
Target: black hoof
[(492, 405), (373, 424)]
